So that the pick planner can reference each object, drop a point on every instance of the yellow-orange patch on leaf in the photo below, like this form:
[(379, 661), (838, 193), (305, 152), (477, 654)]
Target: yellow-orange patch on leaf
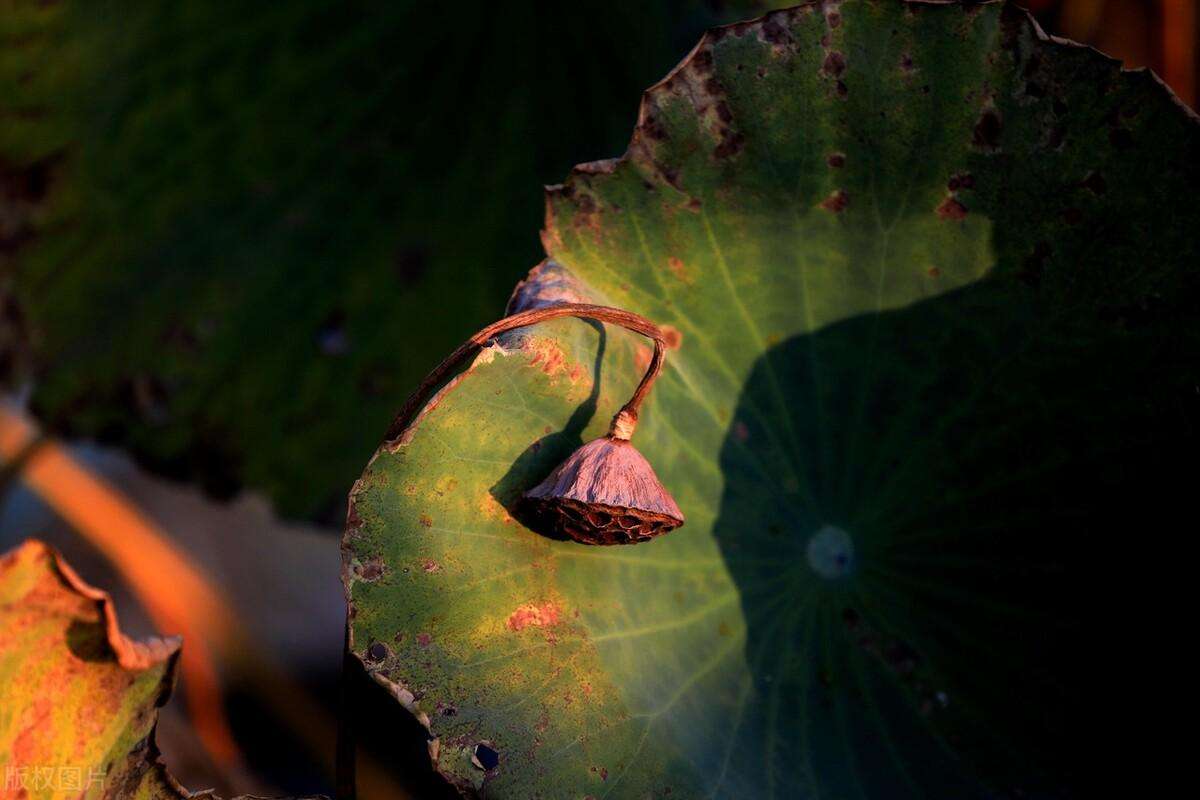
[(547, 354), (679, 269), (491, 508), (539, 616), (641, 357)]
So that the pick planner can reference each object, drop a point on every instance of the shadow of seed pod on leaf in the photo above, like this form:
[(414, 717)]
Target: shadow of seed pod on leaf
[(606, 492)]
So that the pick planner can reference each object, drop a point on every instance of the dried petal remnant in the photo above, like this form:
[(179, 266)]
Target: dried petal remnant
[(605, 493)]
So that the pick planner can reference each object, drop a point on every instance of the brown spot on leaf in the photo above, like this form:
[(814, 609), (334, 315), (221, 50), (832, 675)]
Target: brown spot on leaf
[(842, 89), (835, 63), (430, 566), (678, 269), (423, 639), (530, 614), (934, 272), (836, 160), (836, 202), (653, 127), (775, 30), (426, 521), (731, 144), (672, 336), (833, 18), (371, 569), (952, 209)]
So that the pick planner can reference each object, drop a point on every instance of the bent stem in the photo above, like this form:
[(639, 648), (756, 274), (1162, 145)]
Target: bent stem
[(623, 423)]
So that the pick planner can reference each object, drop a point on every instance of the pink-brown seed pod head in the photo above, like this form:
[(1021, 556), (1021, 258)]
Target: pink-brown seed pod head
[(606, 492)]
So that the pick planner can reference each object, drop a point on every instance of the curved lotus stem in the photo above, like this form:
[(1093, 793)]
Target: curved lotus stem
[(623, 423)]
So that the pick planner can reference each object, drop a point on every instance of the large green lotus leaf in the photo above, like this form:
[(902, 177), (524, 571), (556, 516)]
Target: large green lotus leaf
[(932, 283), (250, 220)]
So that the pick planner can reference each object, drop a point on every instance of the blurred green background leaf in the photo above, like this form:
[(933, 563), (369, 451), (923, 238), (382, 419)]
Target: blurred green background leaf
[(245, 232)]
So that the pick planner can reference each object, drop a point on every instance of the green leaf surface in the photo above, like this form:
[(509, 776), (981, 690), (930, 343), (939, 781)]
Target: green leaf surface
[(252, 221), (933, 277)]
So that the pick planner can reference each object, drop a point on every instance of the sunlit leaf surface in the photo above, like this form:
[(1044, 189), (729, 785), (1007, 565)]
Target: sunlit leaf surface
[(933, 279)]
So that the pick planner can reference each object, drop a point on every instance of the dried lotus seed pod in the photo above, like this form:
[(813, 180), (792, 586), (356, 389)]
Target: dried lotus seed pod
[(606, 492)]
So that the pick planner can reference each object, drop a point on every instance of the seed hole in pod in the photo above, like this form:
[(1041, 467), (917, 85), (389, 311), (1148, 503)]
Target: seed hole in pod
[(599, 519)]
